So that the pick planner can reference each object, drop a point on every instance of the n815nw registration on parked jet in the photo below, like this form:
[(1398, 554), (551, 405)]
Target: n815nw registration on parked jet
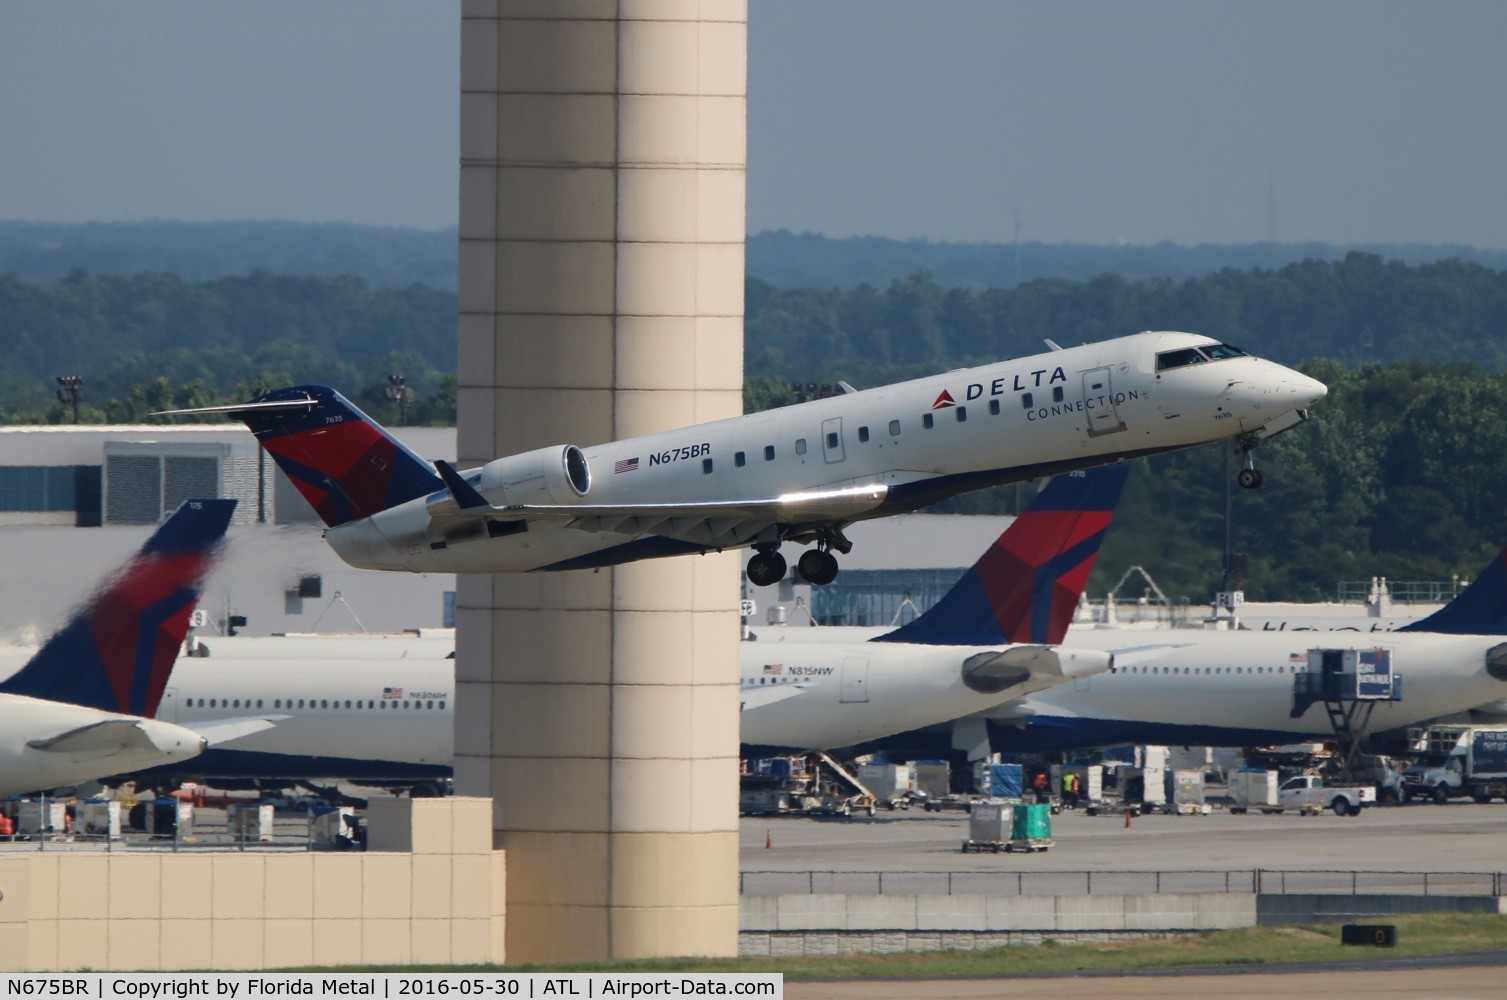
[(799, 473)]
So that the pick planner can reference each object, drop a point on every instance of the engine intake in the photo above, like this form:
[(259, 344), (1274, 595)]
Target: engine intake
[(554, 475)]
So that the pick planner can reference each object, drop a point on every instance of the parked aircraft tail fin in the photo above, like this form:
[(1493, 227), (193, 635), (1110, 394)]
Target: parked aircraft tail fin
[(343, 462), (1479, 609), (116, 653), (1026, 587)]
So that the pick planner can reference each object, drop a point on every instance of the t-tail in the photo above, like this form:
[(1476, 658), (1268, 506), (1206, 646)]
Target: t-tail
[(117, 653), (1479, 609), (342, 461), (1026, 587)]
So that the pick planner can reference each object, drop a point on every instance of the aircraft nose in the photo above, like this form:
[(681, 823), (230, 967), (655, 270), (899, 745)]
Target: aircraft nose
[(1307, 390)]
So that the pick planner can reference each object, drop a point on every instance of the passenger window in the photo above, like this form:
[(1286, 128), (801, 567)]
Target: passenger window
[(769, 453), (324, 703), (863, 434), (894, 428), (831, 439), (800, 446), (428, 704), (278, 703), (962, 412), (442, 706), (300, 703), (237, 703), (993, 407), (927, 420), (706, 465), (1057, 394), (1025, 401), (259, 703), (739, 460), (347, 703), (211, 703)]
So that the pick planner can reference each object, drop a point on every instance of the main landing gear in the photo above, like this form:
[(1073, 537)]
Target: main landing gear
[(1249, 477), (817, 566), (767, 566)]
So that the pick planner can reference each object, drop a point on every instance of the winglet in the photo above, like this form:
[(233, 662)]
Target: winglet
[(1026, 587), (1479, 609), (465, 495), (117, 653)]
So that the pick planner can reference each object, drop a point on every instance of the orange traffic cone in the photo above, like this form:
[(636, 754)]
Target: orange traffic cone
[(768, 840), (1127, 817)]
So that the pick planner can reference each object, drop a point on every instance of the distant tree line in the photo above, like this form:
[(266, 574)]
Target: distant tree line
[(1399, 473)]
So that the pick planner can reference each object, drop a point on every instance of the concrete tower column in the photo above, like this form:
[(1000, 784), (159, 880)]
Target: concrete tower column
[(601, 296)]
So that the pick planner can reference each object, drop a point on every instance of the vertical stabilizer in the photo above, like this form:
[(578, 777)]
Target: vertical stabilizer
[(116, 653), (1479, 609), (342, 461), (1026, 587)]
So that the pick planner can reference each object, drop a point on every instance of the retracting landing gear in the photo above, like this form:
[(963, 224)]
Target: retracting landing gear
[(767, 566), (1249, 477), (817, 566)]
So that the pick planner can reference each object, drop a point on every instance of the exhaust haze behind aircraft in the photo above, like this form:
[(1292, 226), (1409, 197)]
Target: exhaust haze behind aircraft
[(798, 473), (79, 710)]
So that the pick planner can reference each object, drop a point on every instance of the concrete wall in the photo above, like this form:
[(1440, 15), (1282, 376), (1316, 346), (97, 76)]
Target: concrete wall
[(835, 924), (442, 900)]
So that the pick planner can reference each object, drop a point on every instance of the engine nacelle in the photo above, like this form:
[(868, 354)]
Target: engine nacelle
[(558, 474)]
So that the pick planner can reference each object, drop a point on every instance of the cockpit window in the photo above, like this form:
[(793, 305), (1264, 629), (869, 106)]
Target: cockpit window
[(1179, 359), (1218, 352), (1197, 356)]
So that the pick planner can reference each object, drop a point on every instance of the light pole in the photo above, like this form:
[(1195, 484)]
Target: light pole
[(70, 391), (398, 392)]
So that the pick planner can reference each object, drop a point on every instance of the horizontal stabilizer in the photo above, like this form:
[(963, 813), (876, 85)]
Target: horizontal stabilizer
[(464, 494), (218, 732), (104, 738)]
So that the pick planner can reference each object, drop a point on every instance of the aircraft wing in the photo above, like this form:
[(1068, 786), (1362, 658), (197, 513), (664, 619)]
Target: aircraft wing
[(1020, 670), (762, 697), (109, 736), (217, 732), (722, 522)]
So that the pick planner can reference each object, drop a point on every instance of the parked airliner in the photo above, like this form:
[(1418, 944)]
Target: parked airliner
[(380, 709), (80, 709), (800, 473)]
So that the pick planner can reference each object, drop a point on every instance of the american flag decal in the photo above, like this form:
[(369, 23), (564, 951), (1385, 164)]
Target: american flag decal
[(389, 693), (625, 465), (773, 668)]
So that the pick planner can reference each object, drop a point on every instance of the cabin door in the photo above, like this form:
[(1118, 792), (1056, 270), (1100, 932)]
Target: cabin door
[(1099, 403), (832, 440), (855, 679)]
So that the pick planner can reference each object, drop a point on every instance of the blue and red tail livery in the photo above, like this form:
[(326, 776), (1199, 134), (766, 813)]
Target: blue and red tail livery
[(1027, 585), (341, 460), (1479, 609), (117, 653)]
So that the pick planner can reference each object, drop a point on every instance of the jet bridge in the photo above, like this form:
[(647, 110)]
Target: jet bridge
[(1350, 683)]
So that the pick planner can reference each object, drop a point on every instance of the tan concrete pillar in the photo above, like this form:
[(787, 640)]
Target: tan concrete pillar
[(601, 296)]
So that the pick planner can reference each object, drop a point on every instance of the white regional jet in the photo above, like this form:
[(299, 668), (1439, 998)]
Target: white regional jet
[(380, 709), (79, 710), (799, 473)]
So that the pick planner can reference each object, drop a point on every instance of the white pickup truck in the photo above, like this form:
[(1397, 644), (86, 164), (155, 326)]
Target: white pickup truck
[(1308, 793)]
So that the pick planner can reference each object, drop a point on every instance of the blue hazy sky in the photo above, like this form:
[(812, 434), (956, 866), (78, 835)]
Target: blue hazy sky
[(1098, 121)]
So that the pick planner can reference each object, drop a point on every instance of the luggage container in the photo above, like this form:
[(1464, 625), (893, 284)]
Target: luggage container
[(990, 827), (1253, 788), (99, 818), (1185, 793), (252, 822), (1031, 828), (933, 778), (999, 781)]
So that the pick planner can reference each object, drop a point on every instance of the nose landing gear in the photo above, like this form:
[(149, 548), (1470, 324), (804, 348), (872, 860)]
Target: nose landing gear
[(1249, 477)]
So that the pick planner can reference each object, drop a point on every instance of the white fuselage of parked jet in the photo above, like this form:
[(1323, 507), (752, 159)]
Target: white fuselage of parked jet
[(819, 465), (1219, 688), (47, 744), (381, 707)]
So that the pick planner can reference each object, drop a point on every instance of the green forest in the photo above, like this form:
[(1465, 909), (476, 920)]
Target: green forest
[(1399, 472)]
